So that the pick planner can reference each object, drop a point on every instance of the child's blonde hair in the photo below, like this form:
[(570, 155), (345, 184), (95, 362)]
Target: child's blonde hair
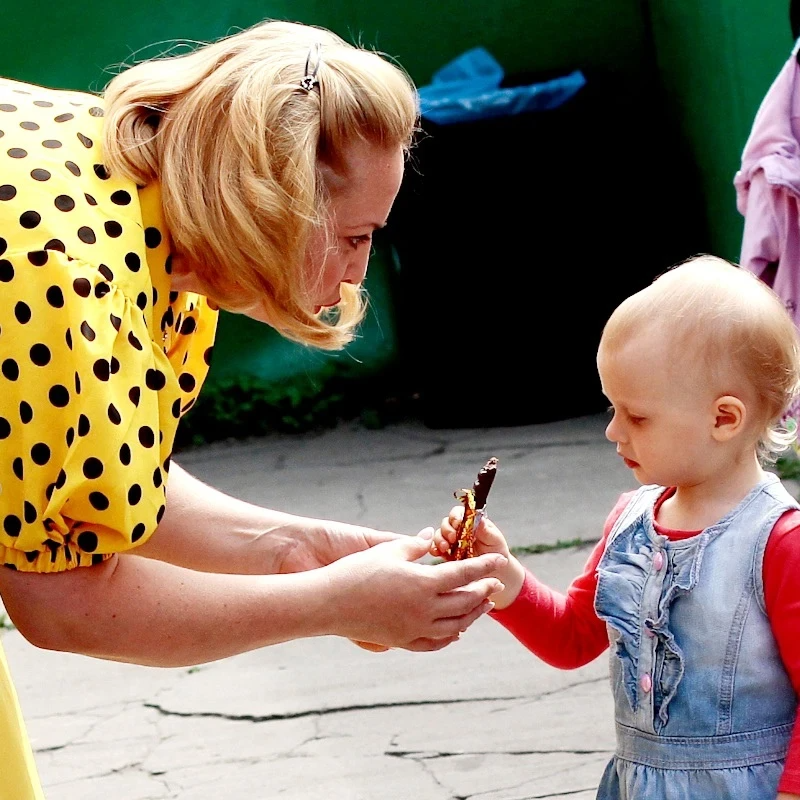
[(237, 146), (734, 324)]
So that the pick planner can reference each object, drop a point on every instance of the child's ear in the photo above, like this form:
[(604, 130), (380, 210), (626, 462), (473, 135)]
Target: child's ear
[(730, 414)]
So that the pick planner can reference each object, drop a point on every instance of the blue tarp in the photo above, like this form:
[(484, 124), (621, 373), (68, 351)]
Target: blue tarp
[(468, 89)]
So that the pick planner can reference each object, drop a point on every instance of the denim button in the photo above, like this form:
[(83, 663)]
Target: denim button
[(645, 682), (658, 561), (648, 632)]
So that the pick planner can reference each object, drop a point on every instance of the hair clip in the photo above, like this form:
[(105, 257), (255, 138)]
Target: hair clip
[(310, 80)]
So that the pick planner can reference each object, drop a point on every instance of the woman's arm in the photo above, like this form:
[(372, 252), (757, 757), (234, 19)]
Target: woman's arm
[(147, 612), (205, 529)]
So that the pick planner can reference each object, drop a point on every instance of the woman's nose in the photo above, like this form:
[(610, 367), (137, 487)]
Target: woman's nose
[(357, 268)]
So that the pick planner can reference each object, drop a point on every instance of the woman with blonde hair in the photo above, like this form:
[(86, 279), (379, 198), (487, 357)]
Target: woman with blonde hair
[(248, 174)]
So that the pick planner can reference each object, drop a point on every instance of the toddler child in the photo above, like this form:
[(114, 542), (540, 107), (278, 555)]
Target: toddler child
[(694, 583)]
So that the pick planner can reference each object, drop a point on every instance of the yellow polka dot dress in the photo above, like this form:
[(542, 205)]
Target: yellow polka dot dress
[(98, 359)]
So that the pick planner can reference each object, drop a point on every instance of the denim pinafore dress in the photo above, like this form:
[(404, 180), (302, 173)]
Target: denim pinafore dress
[(704, 707)]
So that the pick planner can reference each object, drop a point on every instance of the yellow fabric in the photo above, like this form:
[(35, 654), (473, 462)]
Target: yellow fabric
[(97, 359), (18, 779)]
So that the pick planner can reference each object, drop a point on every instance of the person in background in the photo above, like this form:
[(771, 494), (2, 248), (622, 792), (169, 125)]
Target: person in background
[(248, 175), (693, 584)]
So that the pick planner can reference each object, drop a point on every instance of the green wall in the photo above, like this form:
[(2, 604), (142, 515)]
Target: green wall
[(708, 61)]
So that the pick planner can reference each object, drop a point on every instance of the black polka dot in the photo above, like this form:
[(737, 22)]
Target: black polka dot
[(30, 219), (38, 258), (141, 300), (86, 235), (160, 514), (64, 117), (92, 468), (40, 175), (51, 144), (100, 171), (84, 426), (98, 501), (61, 479), (101, 369), (27, 125), (188, 326), (82, 287), (87, 331), (158, 479), (59, 395), (121, 198), (85, 141), (134, 395), (155, 379), (8, 192), (70, 438), (17, 152), (64, 202), (68, 338), (7, 107), (101, 289), (138, 532), (43, 103), (16, 465), (114, 365), (95, 111), (3, 245), (5, 428), (40, 354), (106, 272), (186, 382), (12, 525), (22, 311), (133, 262), (134, 494), (77, 383), (114, 416), (115, 321), (6, 270), (40, 453), (29, 512), (125, 455), (176, 409), (10, 369), (152, 237), (55, 297), (73, 168), (87, 540), (113, 228), (146, 436), (168, 265), (25, 412), (134, 342), (56, 244), (90, 199)]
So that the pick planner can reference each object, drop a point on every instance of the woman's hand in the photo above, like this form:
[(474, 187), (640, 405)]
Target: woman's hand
[(386, 600)]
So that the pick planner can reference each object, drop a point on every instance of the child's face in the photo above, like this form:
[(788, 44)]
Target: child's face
[(663, 415)]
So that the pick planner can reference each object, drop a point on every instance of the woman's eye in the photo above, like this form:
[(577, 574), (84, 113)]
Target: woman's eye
[(356, 241)]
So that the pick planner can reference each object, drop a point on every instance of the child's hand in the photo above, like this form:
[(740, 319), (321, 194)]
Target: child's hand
[(488, 539)]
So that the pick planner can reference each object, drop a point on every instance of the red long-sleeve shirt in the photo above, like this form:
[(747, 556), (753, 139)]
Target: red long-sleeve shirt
[(564, 630)]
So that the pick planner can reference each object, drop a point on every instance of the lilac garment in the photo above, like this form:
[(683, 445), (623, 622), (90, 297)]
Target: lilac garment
[(768, 191)]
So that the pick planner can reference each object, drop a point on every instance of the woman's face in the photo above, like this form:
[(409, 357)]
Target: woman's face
[(361, 199)]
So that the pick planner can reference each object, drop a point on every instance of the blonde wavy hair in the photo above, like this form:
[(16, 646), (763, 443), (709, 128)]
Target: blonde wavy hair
[(724, 321), (238, 148)]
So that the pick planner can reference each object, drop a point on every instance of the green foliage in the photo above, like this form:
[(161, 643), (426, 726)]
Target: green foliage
[(245, 406)]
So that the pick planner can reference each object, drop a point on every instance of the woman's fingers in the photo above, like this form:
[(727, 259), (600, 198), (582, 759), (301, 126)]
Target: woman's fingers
[(457, 574)]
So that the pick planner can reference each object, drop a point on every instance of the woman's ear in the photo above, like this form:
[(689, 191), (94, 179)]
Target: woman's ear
[(730, 414)]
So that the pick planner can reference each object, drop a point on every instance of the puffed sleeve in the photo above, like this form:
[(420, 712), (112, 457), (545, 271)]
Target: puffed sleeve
[(89, 405)]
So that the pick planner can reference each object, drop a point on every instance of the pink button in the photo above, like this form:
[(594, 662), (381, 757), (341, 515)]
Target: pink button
[(648, 632), (646, 683), (658, 561)]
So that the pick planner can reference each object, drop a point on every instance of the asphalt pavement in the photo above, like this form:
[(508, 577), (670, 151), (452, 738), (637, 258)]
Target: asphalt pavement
[(482, 719)]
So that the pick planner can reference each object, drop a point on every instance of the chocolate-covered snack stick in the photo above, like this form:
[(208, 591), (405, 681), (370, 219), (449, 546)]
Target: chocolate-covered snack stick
[(474, 502)]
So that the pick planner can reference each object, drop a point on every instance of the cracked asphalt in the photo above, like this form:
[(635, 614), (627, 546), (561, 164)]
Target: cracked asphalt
[(482, 719)]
